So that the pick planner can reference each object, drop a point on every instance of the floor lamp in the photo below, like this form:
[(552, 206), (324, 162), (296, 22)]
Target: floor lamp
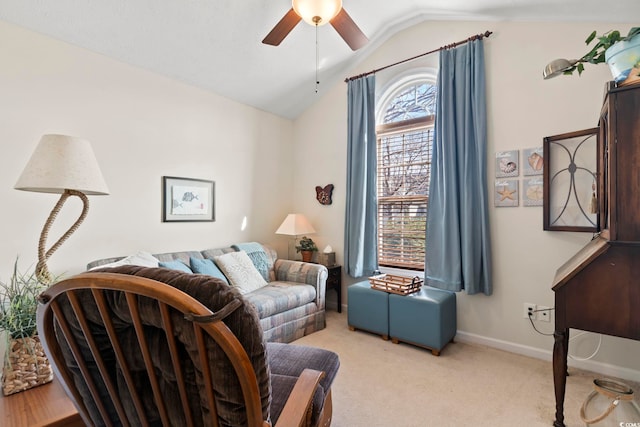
[(63, 165), (295, 225)]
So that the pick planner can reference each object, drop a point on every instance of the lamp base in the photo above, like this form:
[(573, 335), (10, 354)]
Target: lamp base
[(42, 271)]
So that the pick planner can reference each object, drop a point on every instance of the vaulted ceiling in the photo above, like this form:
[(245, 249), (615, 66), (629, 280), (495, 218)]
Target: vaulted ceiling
[(216, 44)]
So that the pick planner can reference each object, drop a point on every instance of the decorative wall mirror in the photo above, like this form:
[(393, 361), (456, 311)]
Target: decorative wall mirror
[(571, 181)]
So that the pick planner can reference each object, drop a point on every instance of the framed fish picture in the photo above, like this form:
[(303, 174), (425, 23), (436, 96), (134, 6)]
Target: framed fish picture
[(187, 199)]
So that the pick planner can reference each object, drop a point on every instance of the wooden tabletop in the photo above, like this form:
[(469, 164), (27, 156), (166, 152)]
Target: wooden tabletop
[(45, 405)]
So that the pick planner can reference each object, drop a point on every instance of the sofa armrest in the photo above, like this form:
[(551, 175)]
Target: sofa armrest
[(304, 272)]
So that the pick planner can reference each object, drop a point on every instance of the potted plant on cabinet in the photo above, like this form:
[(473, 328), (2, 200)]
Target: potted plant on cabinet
[(306, 247), (622, 54), (25, 364)]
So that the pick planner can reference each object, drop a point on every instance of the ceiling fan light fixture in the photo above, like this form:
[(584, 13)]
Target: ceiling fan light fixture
[(311, 10)]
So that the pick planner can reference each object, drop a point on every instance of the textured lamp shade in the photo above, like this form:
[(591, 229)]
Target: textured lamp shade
[(60, 163), (311, 10), (295, 225), (64, 165)]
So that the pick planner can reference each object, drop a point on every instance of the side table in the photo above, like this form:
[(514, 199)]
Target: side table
[(44, 405), (334, 281)]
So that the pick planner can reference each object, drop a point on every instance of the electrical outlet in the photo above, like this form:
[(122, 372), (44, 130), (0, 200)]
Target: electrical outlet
[(544, 313), (529, 311)]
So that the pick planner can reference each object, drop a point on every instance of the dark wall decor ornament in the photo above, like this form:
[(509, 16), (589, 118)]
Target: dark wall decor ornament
[(324, 194)]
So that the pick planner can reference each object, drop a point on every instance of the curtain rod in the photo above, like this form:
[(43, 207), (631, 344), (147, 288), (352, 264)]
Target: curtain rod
[(449, 46)]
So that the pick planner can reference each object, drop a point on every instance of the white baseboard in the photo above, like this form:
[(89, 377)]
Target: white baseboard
[(588, 365)]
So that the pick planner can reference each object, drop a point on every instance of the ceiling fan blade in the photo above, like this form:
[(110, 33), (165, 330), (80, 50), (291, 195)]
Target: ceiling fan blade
[(348, 30), (282, 28)]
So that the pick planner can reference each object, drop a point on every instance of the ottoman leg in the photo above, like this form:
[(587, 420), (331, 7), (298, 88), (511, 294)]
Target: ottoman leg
[(385, 337)]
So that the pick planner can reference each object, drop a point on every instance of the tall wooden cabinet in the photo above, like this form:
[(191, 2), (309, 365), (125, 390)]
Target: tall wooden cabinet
[(598, 289)]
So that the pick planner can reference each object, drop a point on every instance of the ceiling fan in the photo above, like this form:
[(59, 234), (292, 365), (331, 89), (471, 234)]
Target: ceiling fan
[(318, 12)]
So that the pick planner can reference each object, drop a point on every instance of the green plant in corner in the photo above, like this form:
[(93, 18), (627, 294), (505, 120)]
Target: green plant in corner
[(18, 304), (306, 244), (597, 54)]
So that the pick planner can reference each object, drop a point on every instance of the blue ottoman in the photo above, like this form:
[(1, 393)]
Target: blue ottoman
[(368, 309), (426, 318)]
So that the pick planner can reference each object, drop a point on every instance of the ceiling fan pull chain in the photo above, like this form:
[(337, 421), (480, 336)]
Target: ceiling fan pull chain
[(317, 58)]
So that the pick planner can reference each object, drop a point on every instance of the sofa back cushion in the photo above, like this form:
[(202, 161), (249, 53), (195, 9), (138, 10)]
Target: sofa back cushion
[(240, 271), (208, 267), (185, 257), (175, 265)]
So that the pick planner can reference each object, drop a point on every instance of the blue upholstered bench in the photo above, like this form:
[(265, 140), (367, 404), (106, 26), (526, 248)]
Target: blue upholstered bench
[(426, 318), (368, 309)]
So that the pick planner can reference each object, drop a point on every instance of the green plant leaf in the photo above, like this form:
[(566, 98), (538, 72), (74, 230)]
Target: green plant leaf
[(590, 38), (614, 37)]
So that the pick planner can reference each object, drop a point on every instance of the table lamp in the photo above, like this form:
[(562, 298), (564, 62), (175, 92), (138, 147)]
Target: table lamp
[(295, 225), (63, 165)]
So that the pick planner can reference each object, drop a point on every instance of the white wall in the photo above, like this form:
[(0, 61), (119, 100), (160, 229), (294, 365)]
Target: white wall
[(142, 126), (522, 109)]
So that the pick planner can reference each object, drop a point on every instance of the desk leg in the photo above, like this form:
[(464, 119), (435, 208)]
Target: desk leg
[(560, 348), (339, 290)]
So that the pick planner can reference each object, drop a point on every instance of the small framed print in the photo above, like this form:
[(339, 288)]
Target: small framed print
[(506, 193), (187, 199), (507, 164), (532, 191), (532, 161)]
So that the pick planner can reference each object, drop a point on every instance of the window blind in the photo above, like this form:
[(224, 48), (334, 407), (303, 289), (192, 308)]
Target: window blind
[(404, 162)]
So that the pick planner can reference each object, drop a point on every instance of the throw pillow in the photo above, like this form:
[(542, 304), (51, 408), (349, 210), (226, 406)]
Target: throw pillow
[(208, 267), (142, 258), (240, 271), (175, 265)]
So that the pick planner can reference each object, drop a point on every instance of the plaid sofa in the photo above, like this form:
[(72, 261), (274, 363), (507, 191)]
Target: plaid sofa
[(291, 306)]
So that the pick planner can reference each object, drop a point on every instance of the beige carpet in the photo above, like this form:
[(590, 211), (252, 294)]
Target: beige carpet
[(399, 385)]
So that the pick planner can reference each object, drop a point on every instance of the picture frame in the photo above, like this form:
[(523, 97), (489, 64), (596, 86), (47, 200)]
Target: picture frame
[(533, 161), (532, 191), (507, 165), (570, 175), (506, 193), (187, 199)]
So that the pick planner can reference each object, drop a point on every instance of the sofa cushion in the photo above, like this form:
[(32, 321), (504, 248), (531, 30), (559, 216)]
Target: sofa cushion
[(208, 267), (278, 297), (291, 360), (240, 271), (175, 265)]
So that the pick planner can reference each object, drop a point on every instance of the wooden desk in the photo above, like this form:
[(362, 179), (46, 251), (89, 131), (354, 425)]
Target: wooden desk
[(45, 405), (597, 291)]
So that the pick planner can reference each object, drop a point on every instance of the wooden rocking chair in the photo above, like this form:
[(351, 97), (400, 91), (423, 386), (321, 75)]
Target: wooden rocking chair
[(155, 346)]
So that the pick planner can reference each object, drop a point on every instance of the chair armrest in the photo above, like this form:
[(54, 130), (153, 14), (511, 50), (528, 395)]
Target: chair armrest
[(304, 272), (296, 410)]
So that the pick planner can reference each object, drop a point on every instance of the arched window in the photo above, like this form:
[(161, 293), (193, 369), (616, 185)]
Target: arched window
[(405, 120)]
